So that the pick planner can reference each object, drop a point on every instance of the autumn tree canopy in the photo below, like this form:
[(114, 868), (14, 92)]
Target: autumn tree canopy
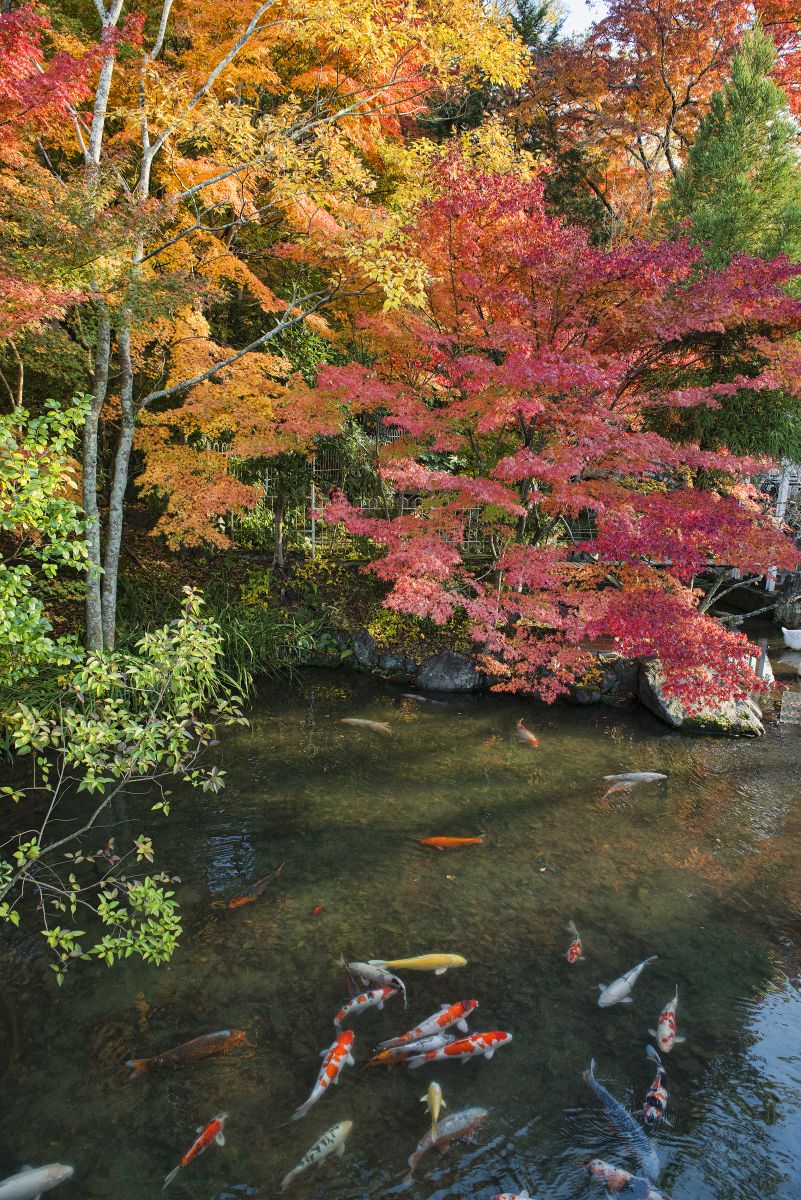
[(520, 393)]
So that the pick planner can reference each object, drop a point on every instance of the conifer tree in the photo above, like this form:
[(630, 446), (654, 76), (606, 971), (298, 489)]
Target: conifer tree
[(740, 190)]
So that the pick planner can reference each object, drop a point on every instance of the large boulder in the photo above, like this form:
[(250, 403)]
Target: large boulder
[(365, 650), (732, 718), (450, 672), (397, 665)]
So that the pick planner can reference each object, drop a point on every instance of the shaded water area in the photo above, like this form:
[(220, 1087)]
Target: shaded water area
[(703, 870)]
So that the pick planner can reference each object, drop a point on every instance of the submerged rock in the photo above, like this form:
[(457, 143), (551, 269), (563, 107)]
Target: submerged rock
[(450, 672), (732, 718)]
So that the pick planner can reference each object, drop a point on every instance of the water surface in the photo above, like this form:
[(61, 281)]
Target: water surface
[(703, 870)]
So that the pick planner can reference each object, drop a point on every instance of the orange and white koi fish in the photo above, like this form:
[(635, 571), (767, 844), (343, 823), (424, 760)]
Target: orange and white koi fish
[(256, 890), (655, 1105), (615, 1179), (525, 735), (469, 1047), (574, 951), (208, 1135), (221, 1042), (402, 1054), (665, 1032), (450, 843), (450, 1014), (335, 1058), (374, 999)]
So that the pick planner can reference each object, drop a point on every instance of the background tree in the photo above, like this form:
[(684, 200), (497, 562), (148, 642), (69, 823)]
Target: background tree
[(163, 193), (521, 392), (740, 193)]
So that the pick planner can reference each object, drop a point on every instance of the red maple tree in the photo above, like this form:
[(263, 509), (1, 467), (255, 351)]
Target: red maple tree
[(520, 397)]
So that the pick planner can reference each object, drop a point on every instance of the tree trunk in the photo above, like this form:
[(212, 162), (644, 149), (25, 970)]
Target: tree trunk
[(94, 611), (119, 483), (278, 517)]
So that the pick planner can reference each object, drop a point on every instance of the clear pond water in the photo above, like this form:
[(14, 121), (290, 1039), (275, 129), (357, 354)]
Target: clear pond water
[(703, 870)]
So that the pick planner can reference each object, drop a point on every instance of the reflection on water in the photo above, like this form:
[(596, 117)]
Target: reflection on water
[(702, 870)]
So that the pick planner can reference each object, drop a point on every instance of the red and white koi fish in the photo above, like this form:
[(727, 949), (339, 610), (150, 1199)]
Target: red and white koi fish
[(615, 1179), (450, 1014), (574, 951), (655, 1105), (665, 1032), (374, 999), (208, 1135), (402, 1054), (469, 1047), (335, 1058), (525, 735), (513, 1195)]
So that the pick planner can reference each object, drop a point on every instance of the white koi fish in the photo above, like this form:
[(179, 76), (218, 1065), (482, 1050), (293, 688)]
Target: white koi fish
[(665, 1032), (332, 1142), (30, 1182), (374, 999), (370, 974), (619, 992), (630, 779), (372, 726), (449, 1014), (335, 1057)]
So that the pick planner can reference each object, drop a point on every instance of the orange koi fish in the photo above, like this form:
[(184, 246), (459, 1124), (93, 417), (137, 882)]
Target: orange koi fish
[(525, 735), (256, 890), (449, 843), (450, 1014), (335, 1058), (574, 951), (469, 1047), (221, 1042), (207, 1136)]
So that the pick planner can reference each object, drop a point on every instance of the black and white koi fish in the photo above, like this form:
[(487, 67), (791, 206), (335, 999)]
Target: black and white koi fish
[(626, 1126), (655, 1105), (332, 1142), (619, 992)]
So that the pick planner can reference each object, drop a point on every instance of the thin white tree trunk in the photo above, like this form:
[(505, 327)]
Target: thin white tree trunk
[(94, 612), (119, 483)]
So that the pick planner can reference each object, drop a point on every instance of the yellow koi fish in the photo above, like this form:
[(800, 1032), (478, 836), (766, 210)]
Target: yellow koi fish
[(434, 1103), (438, 963)]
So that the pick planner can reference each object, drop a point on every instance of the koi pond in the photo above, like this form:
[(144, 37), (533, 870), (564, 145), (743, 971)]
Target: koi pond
[(702, 869)]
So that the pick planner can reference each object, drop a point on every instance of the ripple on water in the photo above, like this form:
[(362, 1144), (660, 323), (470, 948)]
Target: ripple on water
[(702, 870)]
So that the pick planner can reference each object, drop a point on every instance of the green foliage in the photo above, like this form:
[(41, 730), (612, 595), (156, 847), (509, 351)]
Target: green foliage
[(41, 533), (740, 190), (133, 718)]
